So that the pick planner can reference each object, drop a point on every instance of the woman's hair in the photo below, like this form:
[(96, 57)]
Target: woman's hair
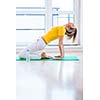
[(72, 33)]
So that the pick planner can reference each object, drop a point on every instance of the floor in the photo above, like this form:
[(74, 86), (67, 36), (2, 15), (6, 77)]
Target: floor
[(49, 80)]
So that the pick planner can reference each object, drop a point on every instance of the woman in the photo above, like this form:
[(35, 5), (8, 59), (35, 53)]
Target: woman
[(57, 32)]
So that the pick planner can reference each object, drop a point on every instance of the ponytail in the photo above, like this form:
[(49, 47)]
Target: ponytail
[(74, 36)]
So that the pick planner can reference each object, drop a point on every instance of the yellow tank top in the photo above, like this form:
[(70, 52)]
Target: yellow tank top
[(54, 33)]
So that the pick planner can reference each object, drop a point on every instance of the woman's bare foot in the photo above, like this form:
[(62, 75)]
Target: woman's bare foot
[(44, 55)]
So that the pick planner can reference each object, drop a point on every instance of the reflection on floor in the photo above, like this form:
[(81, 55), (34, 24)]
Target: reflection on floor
[(49, 80)]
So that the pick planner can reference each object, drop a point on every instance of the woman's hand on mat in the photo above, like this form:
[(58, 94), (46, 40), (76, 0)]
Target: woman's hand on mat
[(57, 58)]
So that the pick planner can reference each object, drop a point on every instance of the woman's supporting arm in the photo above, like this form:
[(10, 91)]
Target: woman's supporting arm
[(61, 47)]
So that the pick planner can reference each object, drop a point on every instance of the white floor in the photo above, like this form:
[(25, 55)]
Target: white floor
[(49, 80)]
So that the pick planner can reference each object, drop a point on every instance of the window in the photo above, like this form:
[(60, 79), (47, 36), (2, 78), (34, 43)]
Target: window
[(35, 17)]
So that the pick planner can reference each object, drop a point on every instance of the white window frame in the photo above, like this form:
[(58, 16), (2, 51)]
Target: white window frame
[(48, 13)]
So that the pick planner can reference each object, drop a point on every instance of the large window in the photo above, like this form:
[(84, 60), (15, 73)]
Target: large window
[(35, 17)]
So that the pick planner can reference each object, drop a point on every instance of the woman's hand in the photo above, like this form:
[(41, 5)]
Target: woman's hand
[(57, 57)]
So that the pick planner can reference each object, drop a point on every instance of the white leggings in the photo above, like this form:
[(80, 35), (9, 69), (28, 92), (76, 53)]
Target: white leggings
[(35, 49)]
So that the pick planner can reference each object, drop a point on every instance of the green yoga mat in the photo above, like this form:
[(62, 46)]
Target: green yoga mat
[(66, 58)]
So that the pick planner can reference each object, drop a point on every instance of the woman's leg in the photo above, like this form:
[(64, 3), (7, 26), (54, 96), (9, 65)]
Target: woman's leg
[(34, 49)]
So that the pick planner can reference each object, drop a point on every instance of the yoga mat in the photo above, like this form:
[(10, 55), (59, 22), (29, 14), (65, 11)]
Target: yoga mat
[(66, 58)]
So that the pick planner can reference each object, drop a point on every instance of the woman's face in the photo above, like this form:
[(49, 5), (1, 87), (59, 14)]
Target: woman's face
[(70, 29), (70, 25)]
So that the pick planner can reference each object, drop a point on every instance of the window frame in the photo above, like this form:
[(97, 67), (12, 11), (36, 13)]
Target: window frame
[(48, 12)]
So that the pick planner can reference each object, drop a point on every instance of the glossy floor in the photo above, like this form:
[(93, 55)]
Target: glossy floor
[(49, 80)]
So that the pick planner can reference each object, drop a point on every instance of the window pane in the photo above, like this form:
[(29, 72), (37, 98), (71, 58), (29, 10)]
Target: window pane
[(63, 5), (30, 3), (28, 36), (34, 22), (60, 19)]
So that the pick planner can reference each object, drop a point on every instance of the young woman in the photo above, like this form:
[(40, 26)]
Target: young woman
[(57, 32)]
